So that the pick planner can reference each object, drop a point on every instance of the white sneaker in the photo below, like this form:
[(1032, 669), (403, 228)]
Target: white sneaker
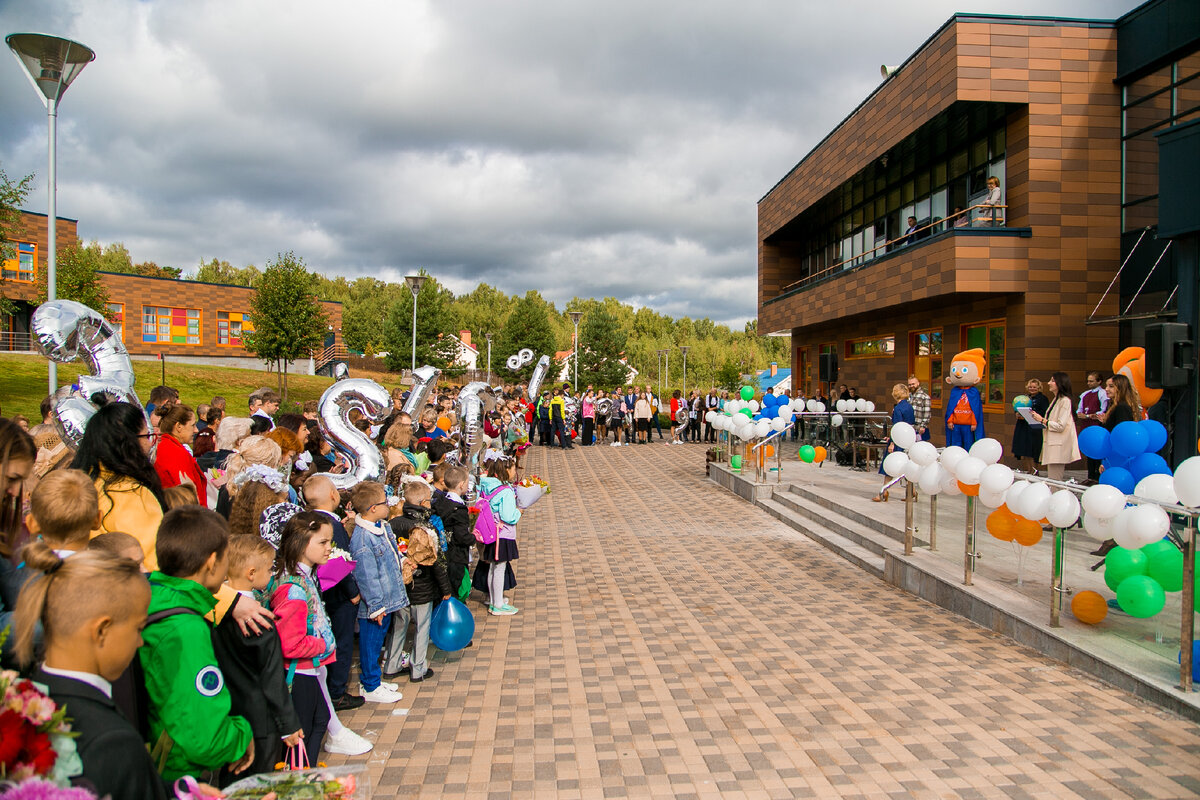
[(395, 687), (347, 743), (382, 694)]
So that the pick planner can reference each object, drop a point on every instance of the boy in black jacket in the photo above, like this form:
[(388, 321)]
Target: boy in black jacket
[(253, 664), (456, 520), (426, 583)]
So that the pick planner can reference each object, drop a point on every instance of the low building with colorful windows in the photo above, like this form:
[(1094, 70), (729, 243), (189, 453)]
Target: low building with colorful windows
[(181, 320), (999, 190)]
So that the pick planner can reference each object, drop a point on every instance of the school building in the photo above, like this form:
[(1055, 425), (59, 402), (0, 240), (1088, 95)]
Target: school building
[(183, 321), (888, 249)]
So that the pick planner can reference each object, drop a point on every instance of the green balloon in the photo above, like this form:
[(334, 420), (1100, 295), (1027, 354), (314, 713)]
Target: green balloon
[(747, 412), (1154, 548), (807, 453), (1120, 564), (747, 392), (1166, 567), (735, 462), (1141, 596)]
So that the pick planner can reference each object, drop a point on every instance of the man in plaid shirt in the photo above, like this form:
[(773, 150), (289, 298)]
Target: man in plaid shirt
[(919, 400)]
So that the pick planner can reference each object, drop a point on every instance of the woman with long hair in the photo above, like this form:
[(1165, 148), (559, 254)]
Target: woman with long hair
[(115, 453), (1124, 405), (173, 463), (1060, 444), (253, 450)]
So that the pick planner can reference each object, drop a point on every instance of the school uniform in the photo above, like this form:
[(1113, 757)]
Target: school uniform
[(342, 614)]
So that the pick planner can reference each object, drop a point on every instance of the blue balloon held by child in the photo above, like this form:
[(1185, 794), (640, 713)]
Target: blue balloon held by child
[(452, 626)]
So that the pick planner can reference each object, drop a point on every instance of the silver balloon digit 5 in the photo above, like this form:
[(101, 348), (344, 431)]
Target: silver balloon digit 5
[(333, 413)]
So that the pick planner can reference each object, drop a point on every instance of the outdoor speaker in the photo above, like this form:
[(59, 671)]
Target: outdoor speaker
[(827, 367), (1169, 355)]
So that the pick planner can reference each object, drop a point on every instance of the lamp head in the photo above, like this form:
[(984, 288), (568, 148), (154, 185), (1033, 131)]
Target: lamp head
[(684, 349), (415, 282), (575, 316), (51, 62)]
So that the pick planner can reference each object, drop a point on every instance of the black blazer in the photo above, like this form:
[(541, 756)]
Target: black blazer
[(346, 589), (257, 679), (115, 760)]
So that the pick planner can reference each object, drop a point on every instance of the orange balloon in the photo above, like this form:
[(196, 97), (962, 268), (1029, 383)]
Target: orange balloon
[(969, 489), (1089, 607), (769, 450), (821, 455), (1001, 524), (1028, 533), (444, 423)]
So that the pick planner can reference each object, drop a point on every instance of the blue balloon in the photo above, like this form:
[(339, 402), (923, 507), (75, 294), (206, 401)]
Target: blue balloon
[(1093, 442), (1148, 464), (1195, 660), (1119, 477), (1129, 439), (1156, 432), (770, 400), (452, 626)]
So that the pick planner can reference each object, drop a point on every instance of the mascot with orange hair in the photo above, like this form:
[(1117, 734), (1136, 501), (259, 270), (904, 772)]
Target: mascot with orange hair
[(964, 408), (1131, 362)]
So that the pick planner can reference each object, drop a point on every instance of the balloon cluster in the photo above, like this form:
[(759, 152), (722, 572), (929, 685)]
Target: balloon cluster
[(748, 419), (952, 471), (1129, 453)]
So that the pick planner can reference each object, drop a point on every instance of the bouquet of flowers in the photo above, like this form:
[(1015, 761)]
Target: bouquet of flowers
[(530, 489), (332, 783), (216, 477), (333, 571), (35, 737)]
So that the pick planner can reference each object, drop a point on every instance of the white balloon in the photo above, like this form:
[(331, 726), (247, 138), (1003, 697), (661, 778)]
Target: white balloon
[(1119, 531), (969, 470), (991, 499), (951, 457), (836, 420), (931, 479), (1103, 501), (762, 428), (894, 464), (860, 405), (924, 453), (710, 416), (869, 406), (779, 423), (1098, 529), (797, 405), (987, 450), (912, 471), (1012, 496), (1157, 487), (1187, 482), (903, 435), (1147, 523), (820, 407), (811, 405), (839, 405), (752, 405), (1063, 511), (733, 406), (718, 422), (950, 485), (995, 478), (1034, 502)]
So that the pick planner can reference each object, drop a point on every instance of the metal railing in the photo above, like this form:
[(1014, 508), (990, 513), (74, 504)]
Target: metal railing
[(16, 342), (989, 217)]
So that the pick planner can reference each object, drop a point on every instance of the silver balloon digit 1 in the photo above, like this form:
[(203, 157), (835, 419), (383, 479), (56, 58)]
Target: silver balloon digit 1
[(424, 379), (535, 380), (474, 401), (63, 331), (333, 412)]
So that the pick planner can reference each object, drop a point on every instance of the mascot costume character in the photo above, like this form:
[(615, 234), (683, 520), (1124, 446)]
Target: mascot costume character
[(1131, 362), (964, 408)]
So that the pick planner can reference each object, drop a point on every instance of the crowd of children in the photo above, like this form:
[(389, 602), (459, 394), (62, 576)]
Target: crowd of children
[(235, 646)]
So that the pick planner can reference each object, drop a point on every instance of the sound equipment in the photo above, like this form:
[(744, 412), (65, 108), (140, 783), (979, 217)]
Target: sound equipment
[(1170, 353), (827, 367)]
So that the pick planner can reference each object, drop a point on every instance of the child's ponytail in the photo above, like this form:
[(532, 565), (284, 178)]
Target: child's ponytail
[(31, 603)]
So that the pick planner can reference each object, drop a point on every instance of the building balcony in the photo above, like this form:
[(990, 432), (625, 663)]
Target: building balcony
[(938, 262)]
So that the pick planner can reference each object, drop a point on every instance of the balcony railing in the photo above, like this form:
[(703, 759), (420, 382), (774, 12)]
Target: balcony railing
[(976, 216), (16, 342)]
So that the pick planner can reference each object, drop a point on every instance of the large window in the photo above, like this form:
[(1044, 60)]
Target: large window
[(231, 326), (116, 315), (24, 266), (925, 361), (170, 325), (989, 337), (871, 347)]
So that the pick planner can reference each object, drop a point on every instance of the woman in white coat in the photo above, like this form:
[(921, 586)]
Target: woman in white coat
[(1060, 445)]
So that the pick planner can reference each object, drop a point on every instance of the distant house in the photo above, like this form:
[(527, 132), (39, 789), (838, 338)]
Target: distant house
[(566, 368), (776, 379), (468, 356)]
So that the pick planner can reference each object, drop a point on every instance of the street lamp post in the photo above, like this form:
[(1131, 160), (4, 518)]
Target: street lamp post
[(684, 349), (575, 316), (415, 282), (51, 63), (659, 353), (488, 336), (667, 367)]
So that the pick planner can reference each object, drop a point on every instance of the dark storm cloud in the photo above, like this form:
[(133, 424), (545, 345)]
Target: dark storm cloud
[(579, 149)]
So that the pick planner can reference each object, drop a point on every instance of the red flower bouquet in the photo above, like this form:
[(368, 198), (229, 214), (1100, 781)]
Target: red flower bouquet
[(35, 737)]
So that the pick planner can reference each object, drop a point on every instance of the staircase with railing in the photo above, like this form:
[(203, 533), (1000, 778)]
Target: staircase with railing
[(326, 357)]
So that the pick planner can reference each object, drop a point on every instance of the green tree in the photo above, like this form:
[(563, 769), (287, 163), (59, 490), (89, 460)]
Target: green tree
[(436, 344), (223, 272), (527, 326), (365, 309), (12, 197), (75, 278), (729, 376), (483, 311), (601, 345), (288, 321)]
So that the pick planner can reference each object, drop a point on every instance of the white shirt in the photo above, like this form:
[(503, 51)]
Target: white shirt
[(83, 677), (266, 416)]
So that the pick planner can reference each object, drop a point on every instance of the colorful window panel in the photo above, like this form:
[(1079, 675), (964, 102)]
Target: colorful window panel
[(24, 266), (170, 325), (231, 327), (116, 315), (871, 347)]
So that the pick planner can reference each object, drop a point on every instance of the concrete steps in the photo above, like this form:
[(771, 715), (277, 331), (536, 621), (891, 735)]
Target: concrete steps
[(864, 552)]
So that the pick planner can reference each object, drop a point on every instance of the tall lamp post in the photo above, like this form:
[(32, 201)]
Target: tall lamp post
[(684, 348), (488, 336), (51, 63), (575, 316), (667, 368), (415, 282), (659, 353)]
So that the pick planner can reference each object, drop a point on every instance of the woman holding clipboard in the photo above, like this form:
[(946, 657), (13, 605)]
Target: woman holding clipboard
[(1027, 439)]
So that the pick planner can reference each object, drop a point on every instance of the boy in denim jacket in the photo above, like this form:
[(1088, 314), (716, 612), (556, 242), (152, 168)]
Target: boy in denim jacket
[(380, 582)]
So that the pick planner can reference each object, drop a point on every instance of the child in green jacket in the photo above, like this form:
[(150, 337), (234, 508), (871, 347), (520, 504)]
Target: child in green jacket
[(191, 730)]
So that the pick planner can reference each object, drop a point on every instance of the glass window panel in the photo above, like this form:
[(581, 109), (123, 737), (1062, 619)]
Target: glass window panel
[(959, 164), (998, 137), (1150, 112), (893, 199), (922, 181), (1148, 84), (938, 205), (939, 173), (907, 194), (922, 212), (979, 153)]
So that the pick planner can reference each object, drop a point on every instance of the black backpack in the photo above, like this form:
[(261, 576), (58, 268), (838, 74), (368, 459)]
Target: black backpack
[(129, 690)]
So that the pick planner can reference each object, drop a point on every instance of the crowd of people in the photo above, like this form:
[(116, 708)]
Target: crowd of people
[(170, 580)]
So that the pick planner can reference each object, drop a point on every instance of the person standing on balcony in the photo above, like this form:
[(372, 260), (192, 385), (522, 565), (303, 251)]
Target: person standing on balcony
[(910, 233), (994, 201)]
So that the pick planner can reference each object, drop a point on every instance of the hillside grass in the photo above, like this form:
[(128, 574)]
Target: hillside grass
[(23, 383)]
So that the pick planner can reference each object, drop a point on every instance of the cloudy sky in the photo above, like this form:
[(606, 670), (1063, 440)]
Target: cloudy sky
[(589, 149)]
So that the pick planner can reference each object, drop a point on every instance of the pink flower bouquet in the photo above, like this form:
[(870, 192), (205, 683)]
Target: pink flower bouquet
[(335, 570)]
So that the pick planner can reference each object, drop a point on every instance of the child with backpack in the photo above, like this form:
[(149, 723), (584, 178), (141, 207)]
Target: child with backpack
[(425, 581), (452, 510), (496, 531), (304, 631)]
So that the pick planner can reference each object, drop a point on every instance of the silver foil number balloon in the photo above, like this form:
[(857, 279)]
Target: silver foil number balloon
[(603, 406), (519, 359), (63, 331), (535, 380), (474, 401), (340, 371), (424, 379), (333, 413)]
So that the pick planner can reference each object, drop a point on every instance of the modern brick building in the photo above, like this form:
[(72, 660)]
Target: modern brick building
[(179, 319), (1064, 116)]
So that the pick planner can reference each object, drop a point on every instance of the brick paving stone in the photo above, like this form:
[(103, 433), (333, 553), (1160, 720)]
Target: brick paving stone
[(676, 641)]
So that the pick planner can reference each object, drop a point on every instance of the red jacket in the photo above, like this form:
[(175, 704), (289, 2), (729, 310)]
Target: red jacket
[(173, 460)]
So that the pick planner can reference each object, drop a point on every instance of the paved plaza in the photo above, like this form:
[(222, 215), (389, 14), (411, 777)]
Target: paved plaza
[(677, 641)]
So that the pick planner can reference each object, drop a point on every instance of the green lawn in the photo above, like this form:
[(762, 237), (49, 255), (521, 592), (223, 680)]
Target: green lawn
[(23, 383)]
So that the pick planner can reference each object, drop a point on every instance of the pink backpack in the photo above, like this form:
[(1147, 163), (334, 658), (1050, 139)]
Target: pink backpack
[(487, 527)]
